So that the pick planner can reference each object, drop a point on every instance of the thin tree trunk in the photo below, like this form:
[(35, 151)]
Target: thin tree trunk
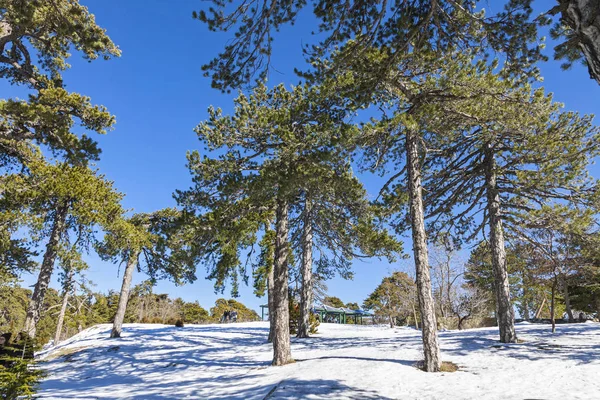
[(124, 296), (552, 306), (506, 315), (431, 347), (39, 292), (539, 310), (306, 295), (415, 316), (525, 296), (391, 319), (271, 303), (63, 308), (565, 291), (282, 353), (270, 280)]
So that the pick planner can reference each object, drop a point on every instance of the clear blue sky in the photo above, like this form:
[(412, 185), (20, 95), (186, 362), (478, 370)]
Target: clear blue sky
[(158, 94)]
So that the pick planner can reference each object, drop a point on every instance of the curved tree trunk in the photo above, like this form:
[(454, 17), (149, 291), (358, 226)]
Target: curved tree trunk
[(282, 353), (506, 314), (63, 308), (124, 296), (306, 294), (431, 347), (39, 292)]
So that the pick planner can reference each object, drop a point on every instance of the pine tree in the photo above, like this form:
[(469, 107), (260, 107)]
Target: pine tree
[(282, 149), (36, 38), (62, 199), (149, 240)]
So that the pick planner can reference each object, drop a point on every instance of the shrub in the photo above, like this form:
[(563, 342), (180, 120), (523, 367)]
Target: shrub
[(179, 323)]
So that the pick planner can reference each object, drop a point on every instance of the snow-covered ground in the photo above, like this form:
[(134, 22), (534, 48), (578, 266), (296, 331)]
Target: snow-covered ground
[(341, 362)]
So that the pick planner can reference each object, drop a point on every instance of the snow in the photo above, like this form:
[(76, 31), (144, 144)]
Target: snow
[(342, 362)]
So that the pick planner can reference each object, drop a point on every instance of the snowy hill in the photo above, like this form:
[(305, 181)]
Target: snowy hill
[(341, 362)]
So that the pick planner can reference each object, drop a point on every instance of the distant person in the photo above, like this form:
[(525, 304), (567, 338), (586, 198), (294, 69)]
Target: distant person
[(234, 316)]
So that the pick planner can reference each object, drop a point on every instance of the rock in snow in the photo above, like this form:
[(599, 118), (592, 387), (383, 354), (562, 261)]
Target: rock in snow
[(341, 362)]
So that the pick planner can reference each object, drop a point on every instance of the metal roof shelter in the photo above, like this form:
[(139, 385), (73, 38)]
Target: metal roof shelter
[(340, 315), (329, 314)]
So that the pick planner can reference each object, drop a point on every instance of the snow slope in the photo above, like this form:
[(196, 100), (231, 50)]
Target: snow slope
[(341, 362)]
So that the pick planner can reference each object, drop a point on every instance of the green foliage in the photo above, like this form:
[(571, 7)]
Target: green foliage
[(244, 313), (402, 28), (157, 241), (333, 301), (19, 376), (193, 313), (394, 298), (36, 38), (290, 145), (313, 319)]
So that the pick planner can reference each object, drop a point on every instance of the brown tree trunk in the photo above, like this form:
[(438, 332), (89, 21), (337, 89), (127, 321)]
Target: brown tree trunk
[(506, 314), (270, 303), (565, 291), (306, 295), (39, 292), (526, 293), (63, 308), (431, 347), (124, 296), (282, 353), (552, 307), (583, 17), (415, 316)]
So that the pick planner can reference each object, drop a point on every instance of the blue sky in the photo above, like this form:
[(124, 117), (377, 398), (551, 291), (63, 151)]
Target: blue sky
[(158, 94)]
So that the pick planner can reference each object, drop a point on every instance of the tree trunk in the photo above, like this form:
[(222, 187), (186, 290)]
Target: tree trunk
[(270, 303), (431, 347), (583, 17), (506, 314), (525, 302), (461, 320), (124, 296), (63, 308), (552, 302), (565, 291), (539, 310), (415, 316), (282, 353), (39, 292), (306, 295)]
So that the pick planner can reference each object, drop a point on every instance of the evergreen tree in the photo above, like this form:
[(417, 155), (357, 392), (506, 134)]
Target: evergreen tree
[(151, 240), (62, 198), (394, 298), (36, 38)]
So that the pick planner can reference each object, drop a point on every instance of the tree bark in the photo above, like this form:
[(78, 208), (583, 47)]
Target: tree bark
[(63, 308), (565, 290), (282, 353), (552, 302), (506, 314), (124, 296), (270, 303), (39, 292), (526, 293), (431, 347), (583, 17), (415, 316), (307, 261)]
